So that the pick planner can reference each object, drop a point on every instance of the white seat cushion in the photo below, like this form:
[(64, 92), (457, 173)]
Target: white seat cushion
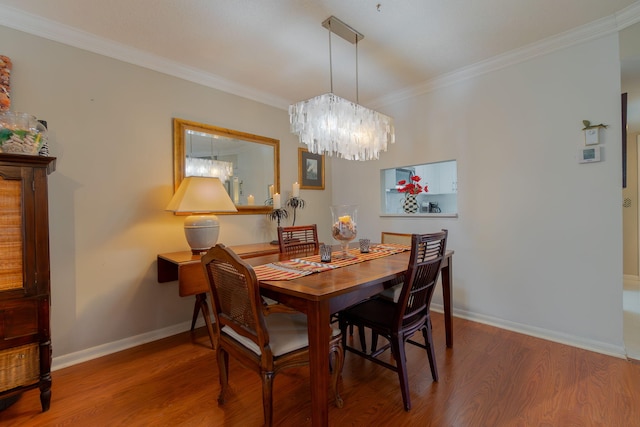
[(287, 333), (392, 293)]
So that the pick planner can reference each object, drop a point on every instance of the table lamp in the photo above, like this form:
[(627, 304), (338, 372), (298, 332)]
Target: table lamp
[(200, 196)]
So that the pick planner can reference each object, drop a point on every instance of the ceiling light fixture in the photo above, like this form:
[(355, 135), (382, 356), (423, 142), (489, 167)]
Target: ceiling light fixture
[(329, 124)]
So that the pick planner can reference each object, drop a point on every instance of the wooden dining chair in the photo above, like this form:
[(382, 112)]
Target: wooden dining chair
[(393, 293), (264, 343), (397, 238), (299, 238), (398, 321)]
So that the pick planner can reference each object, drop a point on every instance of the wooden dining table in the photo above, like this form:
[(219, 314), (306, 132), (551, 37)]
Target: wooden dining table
[(321, 294)]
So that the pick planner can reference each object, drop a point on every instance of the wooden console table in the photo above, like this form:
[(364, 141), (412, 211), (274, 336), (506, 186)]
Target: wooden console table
[(186, 269)]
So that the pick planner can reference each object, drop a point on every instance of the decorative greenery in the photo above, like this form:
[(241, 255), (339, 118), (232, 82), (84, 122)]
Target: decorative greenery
[(295, 203), (413, 187), (587, 125), (278, 214)]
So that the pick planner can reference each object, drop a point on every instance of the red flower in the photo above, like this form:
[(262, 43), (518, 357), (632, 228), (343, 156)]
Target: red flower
[(413, 187)]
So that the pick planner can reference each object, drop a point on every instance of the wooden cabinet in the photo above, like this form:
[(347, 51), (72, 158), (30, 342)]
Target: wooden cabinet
[(25, 338)]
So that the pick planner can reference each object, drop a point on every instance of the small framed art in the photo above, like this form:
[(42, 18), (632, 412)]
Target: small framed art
[(310, 170)]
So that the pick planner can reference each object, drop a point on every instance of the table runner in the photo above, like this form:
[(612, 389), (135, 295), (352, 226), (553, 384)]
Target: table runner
[(298, 267)]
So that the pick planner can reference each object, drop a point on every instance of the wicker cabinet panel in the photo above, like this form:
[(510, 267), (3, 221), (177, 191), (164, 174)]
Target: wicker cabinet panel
[(11, 237), (19, 366)]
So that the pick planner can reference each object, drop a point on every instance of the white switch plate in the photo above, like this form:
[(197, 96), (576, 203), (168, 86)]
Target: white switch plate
[(591, 136)]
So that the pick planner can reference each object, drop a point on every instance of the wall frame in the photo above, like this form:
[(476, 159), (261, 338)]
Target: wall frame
[(310, 170)]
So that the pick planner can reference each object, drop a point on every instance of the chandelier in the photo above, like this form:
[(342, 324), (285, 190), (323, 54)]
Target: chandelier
[(209, 168), (329, 124)]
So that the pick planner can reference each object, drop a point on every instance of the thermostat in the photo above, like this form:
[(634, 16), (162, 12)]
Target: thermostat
[(589, 155)]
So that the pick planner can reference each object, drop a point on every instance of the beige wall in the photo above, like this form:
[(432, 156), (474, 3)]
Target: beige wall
[(630, 210), (111, 129), (538, 240)]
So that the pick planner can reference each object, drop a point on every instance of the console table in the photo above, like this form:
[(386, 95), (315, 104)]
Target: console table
[(186, 269)]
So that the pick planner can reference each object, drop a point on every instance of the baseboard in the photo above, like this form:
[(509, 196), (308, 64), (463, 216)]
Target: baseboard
[(70, 359), (549, 335), (113, 347)]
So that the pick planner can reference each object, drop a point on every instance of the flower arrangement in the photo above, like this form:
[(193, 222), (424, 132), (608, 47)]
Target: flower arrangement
[(412, 187)]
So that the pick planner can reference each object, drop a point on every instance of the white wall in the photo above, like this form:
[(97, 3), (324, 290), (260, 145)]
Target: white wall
[(538, 239), (111, 130)]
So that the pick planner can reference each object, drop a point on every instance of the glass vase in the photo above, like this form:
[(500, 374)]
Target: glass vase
[(21, 133), (344, 228)]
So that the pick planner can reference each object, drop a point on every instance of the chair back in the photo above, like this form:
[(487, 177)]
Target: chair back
[(300, 238), (235, 295), (398, 238), (427, 253)]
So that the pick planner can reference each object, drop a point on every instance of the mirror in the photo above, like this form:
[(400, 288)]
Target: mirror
[(247, 164)]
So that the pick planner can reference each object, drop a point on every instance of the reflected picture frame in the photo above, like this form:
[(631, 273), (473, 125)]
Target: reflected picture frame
[(310, 170)]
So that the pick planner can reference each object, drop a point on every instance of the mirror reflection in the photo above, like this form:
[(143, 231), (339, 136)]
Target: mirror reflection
[(247, 164)]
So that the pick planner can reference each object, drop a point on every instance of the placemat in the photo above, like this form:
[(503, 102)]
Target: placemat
[(298, 267)]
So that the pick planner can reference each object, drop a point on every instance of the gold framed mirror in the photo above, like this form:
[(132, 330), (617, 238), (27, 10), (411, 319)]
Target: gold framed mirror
[(248, 165)]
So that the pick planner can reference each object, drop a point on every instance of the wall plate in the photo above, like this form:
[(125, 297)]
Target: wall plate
[(592, 136)]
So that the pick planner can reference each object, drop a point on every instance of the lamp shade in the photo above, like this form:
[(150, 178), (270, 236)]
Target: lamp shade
[(201, 195)]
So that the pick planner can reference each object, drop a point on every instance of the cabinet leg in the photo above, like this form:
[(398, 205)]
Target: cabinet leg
[(45, 398)]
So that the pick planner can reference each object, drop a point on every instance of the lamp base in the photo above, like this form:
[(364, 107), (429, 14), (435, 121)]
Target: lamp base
[(201, 232)]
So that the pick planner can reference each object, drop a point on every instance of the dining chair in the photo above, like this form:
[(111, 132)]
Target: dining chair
[(398, 238), (299, 238), (265, 343), (393, 293), (398, 321)]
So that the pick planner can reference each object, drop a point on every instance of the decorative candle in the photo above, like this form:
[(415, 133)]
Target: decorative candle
[(251, 200), (276, 201), (345, 219), (236, 190), (296, 190), (271, 190)]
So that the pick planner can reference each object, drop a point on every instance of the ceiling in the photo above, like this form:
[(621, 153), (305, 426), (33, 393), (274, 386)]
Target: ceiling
[(277, 51)]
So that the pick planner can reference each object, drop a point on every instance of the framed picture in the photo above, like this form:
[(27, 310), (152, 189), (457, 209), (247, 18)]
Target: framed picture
[(310, 170)]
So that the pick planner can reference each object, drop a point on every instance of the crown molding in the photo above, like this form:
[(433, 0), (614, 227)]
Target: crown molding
[(593, 30), (38, 26), (31, 24)]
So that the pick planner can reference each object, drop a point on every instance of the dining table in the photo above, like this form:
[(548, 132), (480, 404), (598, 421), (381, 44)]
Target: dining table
[(321, 294)]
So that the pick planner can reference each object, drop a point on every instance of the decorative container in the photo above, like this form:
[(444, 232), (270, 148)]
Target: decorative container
[(410, 204), (344, 228), (21, 133)]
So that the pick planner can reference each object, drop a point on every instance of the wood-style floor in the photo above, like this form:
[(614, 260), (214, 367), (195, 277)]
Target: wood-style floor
[(492, 377)]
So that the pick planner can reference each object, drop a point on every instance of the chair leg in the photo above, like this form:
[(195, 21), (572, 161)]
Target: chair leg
[(374, 342), (336, 362), (267, 398), (428, 343), (397, 348), (223, 370), (363, 342)]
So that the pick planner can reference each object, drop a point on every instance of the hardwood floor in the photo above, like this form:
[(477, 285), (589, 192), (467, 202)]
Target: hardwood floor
[(492, 377)]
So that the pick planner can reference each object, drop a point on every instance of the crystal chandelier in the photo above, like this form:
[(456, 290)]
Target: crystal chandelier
[(329, 124), (208, 168)]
